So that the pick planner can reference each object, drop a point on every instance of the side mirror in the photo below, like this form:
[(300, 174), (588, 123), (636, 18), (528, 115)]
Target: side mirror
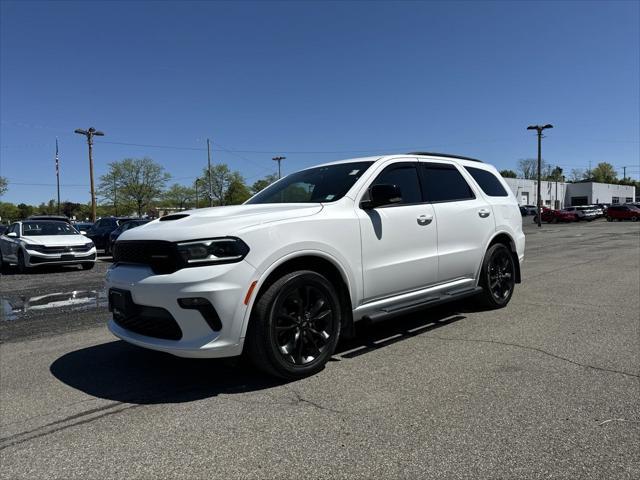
[(12, 235), (383, 194)]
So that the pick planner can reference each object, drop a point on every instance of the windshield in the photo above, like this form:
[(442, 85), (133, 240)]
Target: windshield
[(34, 229), (314, 185)]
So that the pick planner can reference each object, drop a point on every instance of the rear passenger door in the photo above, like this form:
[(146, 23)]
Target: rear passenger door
[(465, 220)]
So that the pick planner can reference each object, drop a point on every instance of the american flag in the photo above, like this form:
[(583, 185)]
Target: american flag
[(57, 160)]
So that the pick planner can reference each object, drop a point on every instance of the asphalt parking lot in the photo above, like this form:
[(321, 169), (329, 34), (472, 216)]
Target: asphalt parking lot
[(548, 387)]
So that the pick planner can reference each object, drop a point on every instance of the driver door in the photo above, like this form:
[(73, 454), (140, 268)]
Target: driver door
[(399, 241)]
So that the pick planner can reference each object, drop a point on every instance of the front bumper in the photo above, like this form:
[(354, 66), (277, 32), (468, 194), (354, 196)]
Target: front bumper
[(34, 259), (223, 285)]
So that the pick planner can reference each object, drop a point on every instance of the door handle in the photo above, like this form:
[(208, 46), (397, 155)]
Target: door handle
[(484, 213), (425, 219)]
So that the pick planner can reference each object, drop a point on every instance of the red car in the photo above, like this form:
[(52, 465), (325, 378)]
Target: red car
[(623, 212), (555, 216)]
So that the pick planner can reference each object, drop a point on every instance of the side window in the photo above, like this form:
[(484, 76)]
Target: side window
[(488, 182), (405, 176), (444, 183)]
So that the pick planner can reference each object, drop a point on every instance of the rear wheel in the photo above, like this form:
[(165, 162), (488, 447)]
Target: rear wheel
[(295, 326), (498, 276), (634, 219)]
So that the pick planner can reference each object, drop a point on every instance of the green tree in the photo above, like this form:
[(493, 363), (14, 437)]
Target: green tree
[(508, 174), (25, 210), (178, 196), (604, 173), (227, 187), (4, 185), (9, 212), (139, 181), (528, 168), (554, 175), (265, 182)]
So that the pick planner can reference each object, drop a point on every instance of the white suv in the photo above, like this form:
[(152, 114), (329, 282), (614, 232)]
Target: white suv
[(284, 275)]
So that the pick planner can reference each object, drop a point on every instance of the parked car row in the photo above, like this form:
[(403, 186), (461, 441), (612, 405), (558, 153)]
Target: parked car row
[(51, 239), (589, 213)]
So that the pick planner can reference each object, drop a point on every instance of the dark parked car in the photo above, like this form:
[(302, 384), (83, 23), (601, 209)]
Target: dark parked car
[(529, 209), (124, 226), (623, 212), (83, 226), (101, 230)]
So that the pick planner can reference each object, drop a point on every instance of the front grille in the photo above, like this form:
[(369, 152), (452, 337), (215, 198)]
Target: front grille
[(37, 260), (63, 249), (161, 256)]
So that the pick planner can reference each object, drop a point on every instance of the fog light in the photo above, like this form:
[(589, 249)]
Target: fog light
[(205, 308), (194, 302)]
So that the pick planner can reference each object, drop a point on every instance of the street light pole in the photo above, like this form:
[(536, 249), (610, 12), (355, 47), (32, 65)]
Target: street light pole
[(90, 134), (539, 129), (209, 173), (196, 182), (279, 159)]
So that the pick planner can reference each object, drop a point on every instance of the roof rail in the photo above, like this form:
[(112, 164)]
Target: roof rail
[(446, 155)]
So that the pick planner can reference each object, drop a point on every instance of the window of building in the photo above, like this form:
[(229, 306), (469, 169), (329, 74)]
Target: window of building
[(577, 201), (444, 183), (615, 200), (488, 182), (628, 199)]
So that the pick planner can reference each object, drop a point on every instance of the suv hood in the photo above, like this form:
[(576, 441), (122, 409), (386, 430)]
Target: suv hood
[(217, 221)]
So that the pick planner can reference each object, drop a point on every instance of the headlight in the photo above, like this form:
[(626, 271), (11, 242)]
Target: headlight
[(89, 245), (35, 248), (215, 250)]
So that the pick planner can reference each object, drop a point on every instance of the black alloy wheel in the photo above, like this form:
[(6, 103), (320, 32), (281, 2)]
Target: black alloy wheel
[(302, 324), (498, 276), (295, 325)]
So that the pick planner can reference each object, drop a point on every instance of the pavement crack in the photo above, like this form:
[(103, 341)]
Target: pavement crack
[(300, 399), (535, 349)]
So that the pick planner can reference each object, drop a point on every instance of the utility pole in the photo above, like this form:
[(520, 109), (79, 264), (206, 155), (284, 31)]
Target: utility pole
[(539, 129), (209, 173), (279, 159), (58, 174), (624, 176), (90, 134), (196, 182)]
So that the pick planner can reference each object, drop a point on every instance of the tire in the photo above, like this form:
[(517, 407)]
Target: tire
[(22, 266), (609, 219), (535, 219), (87, 265), (2, 264), (497, 277), (294, 326), (554, 220), (107, 249)]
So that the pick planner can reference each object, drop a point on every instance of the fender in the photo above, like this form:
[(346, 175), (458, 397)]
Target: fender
[(344, 273)]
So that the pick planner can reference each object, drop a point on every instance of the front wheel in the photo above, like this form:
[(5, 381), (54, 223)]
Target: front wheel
[(498, 276), (295, 325), (22, 264)]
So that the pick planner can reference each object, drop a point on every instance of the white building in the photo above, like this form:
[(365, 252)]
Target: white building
[(553, 194), (560, 194), (587, 193)]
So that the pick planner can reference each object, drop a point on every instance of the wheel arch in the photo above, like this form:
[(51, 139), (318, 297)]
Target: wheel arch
[(315, 261), (506, 239)]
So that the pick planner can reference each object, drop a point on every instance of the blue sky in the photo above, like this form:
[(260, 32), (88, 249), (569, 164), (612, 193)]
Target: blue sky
[(314, 81)]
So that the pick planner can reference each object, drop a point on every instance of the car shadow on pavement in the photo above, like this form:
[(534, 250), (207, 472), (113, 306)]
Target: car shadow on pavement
[(122, 372)]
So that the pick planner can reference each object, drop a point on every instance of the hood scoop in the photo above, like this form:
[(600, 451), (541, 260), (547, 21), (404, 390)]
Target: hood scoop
[(177, 216)]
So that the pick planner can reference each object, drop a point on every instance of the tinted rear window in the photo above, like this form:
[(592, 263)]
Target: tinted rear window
[(444, 183), (488, 182)]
